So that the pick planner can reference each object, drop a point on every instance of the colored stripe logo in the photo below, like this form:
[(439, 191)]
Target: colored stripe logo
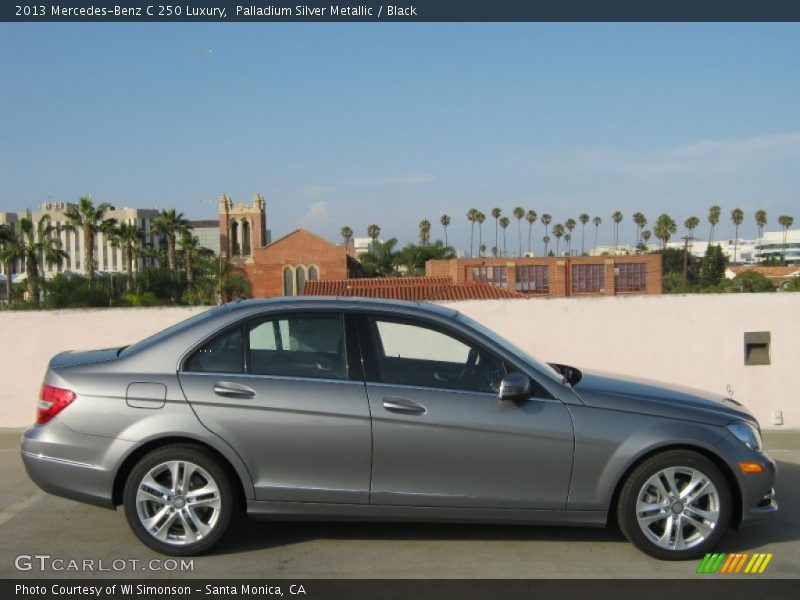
[(738, 563)]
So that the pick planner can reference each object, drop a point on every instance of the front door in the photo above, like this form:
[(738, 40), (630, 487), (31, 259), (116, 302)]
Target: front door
[(441, 436), (281, 391)]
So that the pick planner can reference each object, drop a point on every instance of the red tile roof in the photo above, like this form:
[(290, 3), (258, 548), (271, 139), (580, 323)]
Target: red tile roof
[(768, 271), (408, 288)]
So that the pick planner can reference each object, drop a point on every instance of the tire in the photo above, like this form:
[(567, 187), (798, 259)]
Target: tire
[(168, 517), (680, 521)]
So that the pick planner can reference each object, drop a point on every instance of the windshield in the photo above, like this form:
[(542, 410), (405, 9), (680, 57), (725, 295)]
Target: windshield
[(535, 362), (177, 328)]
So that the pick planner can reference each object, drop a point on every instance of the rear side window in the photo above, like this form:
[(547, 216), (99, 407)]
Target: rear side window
[(222, 354), (302, 345)]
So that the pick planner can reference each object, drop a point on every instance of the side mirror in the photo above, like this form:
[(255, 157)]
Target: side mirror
[(515, 386)]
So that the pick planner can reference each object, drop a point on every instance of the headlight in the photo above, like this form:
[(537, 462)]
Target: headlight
[(747, 434)]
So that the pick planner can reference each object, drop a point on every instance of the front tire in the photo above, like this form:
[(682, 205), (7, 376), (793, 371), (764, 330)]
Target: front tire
[(675, 505), (179, 500)]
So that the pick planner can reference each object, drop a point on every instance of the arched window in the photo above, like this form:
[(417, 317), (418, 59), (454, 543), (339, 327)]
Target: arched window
[(288, 281), (301, 280), (313, 273), (246, 238), (235, 250)]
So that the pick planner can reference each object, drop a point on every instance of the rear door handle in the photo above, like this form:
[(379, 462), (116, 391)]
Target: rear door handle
[(404, 406), (233, 390)]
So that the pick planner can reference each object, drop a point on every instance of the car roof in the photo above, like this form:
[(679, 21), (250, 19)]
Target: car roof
[(340, 302)]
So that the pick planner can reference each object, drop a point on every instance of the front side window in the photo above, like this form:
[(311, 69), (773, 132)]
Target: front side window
[(222, 354), (302, 345), (413, 354)]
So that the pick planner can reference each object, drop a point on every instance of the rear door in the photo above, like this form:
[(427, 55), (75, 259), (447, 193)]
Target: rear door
[(441, 436), (287, 392)]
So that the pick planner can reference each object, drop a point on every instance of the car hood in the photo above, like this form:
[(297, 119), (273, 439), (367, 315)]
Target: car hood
[(632, 394)]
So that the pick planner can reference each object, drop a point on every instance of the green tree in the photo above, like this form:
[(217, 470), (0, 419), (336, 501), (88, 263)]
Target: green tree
[(714, 214), (190, 248), (496, 213), (504, 223), (480, 218), (786, 222), (645, 237), (382, 261), (10, 253), (36, 240), (445, 221), (761, 221), (672, 262), (373, 233), (519, 214), (597, 221), (751, 282), (471, 217), (347, 234), (617, 218), (90, 220), (570, 224), (713, 267), (424, 232), (584, 219), (530, 217), (691, 224), (127, 236), (170, 224), (546, 220), (558, 231), (737, 216), (640, 220), (665, 228), (546, 240)]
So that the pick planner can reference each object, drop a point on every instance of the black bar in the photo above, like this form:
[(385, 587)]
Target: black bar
[(412, 11)]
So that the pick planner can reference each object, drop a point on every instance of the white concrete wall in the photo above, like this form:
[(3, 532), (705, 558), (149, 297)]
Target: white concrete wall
[(692, 340)]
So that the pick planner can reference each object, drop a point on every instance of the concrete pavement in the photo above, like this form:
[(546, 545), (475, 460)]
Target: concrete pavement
[(34, 523)]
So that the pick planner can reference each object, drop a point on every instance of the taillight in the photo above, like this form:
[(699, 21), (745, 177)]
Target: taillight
[(52, 400)]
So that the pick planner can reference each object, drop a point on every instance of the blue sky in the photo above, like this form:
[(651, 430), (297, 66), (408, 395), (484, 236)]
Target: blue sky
[(353, 124)]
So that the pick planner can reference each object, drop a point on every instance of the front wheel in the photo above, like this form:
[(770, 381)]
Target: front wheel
[(178, 500), (675, 505)]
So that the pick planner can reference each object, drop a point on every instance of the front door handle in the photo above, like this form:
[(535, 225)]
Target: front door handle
[(233, 390), (403, 405)]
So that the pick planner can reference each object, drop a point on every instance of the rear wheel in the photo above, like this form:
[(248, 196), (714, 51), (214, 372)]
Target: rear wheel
[(675, 505), (179, 500)]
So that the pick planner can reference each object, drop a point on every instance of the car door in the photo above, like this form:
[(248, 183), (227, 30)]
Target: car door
[(285, 392), (441, 436)]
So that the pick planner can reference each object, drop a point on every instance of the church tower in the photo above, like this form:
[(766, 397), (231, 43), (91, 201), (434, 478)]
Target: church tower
[(242, 228)]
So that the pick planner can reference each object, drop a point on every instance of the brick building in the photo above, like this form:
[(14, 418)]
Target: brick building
[(282, 267), (558, 276)]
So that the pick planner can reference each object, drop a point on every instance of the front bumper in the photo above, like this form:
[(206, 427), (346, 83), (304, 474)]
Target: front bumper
[(72, 465)]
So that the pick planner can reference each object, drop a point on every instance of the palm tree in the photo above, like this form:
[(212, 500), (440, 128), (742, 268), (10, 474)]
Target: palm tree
[(568, 239), (665, 227), (645, 236), (519, 213), (546, 240), (504, 222), (713, 217), (480, 218), (10, 253), (472, 213), (530, 217), (546, 219), (597, 221), (424, 232), (558, 231), (383, 259), (617, 218), (170, 224), (190, 247), (36, 241), (347, 234), (640, 221), (691, 224), (761, 221), (373, 232), (91, 220), (584, 219), (786, 222), (570, 224), (496, 213), (445, 221), (127, 236), (737, 216)]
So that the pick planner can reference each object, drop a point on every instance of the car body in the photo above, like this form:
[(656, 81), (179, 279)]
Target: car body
[(347, 409)]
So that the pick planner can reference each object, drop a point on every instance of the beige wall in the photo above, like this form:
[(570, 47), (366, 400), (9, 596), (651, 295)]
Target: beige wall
[(691, 340)]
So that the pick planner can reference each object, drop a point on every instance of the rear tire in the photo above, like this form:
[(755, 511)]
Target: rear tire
[(675, 505), (179, 500)]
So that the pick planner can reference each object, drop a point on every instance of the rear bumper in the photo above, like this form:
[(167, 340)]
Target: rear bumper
[(72, 465)]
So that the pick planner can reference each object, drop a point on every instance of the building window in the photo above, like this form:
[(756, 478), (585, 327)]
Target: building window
[(630, 277), (235, 249), (300, 274), (495, 275), (533, 278), (246, 238), (313, 273), (288, 281), (588, 279)]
